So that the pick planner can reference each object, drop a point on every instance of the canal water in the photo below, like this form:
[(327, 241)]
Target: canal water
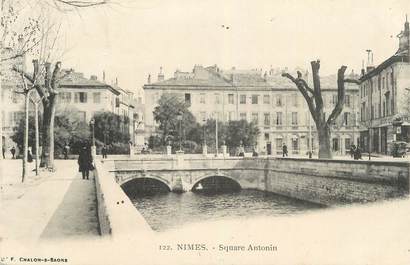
[(166, 211)]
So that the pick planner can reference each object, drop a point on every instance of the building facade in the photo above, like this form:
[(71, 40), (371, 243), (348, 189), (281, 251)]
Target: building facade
[(385, 99), (12, 108), (268, 99), (86, 96)]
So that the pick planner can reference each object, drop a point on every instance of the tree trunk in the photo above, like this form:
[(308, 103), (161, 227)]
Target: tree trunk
[(324, 141), (47, 156)]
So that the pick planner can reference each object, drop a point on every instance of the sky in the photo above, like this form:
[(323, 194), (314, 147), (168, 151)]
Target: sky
[(133, 39)]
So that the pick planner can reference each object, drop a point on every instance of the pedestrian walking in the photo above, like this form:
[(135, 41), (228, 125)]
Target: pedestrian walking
[(104, 151), (284, 150), (352, 150), (66, 149), (85, 162), (29, 155), (13, 152)]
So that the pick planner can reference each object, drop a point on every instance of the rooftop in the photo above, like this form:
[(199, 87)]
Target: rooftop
[(213, 77)]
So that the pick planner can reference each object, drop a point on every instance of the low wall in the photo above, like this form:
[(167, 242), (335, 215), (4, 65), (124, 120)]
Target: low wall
[(116, 214), (333, 182)]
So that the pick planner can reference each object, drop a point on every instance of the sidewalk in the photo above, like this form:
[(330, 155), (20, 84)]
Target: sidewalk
[(54, 205)]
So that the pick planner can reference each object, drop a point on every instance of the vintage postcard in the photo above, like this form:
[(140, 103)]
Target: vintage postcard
[(205, 132)]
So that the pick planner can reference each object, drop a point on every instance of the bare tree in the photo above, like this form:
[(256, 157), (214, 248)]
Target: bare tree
[(314, 100), (38, 34)]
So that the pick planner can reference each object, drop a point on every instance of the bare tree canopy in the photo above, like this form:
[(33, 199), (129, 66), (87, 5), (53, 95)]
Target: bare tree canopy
[(314, 100)]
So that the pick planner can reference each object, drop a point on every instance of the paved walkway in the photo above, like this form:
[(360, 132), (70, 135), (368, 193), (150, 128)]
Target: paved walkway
[(55, 205)]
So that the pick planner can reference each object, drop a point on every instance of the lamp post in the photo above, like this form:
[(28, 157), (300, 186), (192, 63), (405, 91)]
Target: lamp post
[(204, 132), (216, 134), (36, 103), (93, 148), (204, 147), (179, 117)]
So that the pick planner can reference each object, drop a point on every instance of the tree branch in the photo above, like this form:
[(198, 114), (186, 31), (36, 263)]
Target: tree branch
[(299, 84), (316, 85), (55, 77), (341, 91), (78, 3)]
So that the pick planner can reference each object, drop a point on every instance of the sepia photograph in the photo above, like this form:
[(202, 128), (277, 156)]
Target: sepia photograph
[(204, 132)]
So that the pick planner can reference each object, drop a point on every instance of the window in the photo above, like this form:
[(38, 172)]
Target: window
[(347, 143), (279, 143), (217, 99), (242, 99), (254, 99), (266, 99), (346, 116), (80, 97), (242, 115), (230, 99), (279, 101), (97, 97), (279, 118), (188, 98), (335, 144), (347, 100), (255, 117), (65, 97), (295, 100), (295, 144), (202, 98), (230, 115), (294, 118), (334, 99), (266, 120), (266, 136)]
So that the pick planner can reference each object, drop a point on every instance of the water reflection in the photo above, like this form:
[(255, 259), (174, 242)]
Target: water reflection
[(170, 210)]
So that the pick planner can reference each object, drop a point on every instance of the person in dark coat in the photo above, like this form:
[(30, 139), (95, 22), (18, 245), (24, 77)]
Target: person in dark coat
[(13, 152), (352, 150), (104, 151), (85, 162), (284, 150), (66, 148)]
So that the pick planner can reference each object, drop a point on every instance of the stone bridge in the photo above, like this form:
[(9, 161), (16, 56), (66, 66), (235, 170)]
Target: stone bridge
[(320, 181)]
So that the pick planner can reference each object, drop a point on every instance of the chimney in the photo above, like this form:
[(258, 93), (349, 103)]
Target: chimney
[(160, 75), (265, 76), (116, 81), (103, 76), (93, 77), (149, 79)]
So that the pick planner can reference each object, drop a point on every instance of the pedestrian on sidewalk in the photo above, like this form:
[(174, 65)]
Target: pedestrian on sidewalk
[(65, 151), (85, 162), (284, 150), (13, 152), (104, 151), (4, 152)]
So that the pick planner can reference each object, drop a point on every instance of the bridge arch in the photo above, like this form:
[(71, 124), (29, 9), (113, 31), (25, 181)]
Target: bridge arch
[(216, 182), (146, 184)]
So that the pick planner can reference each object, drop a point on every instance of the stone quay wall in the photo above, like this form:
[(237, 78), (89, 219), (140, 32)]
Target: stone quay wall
[(322, 181), (116, 214)]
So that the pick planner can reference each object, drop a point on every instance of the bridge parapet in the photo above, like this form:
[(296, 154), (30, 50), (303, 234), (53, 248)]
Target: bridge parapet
[(318, 180)]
